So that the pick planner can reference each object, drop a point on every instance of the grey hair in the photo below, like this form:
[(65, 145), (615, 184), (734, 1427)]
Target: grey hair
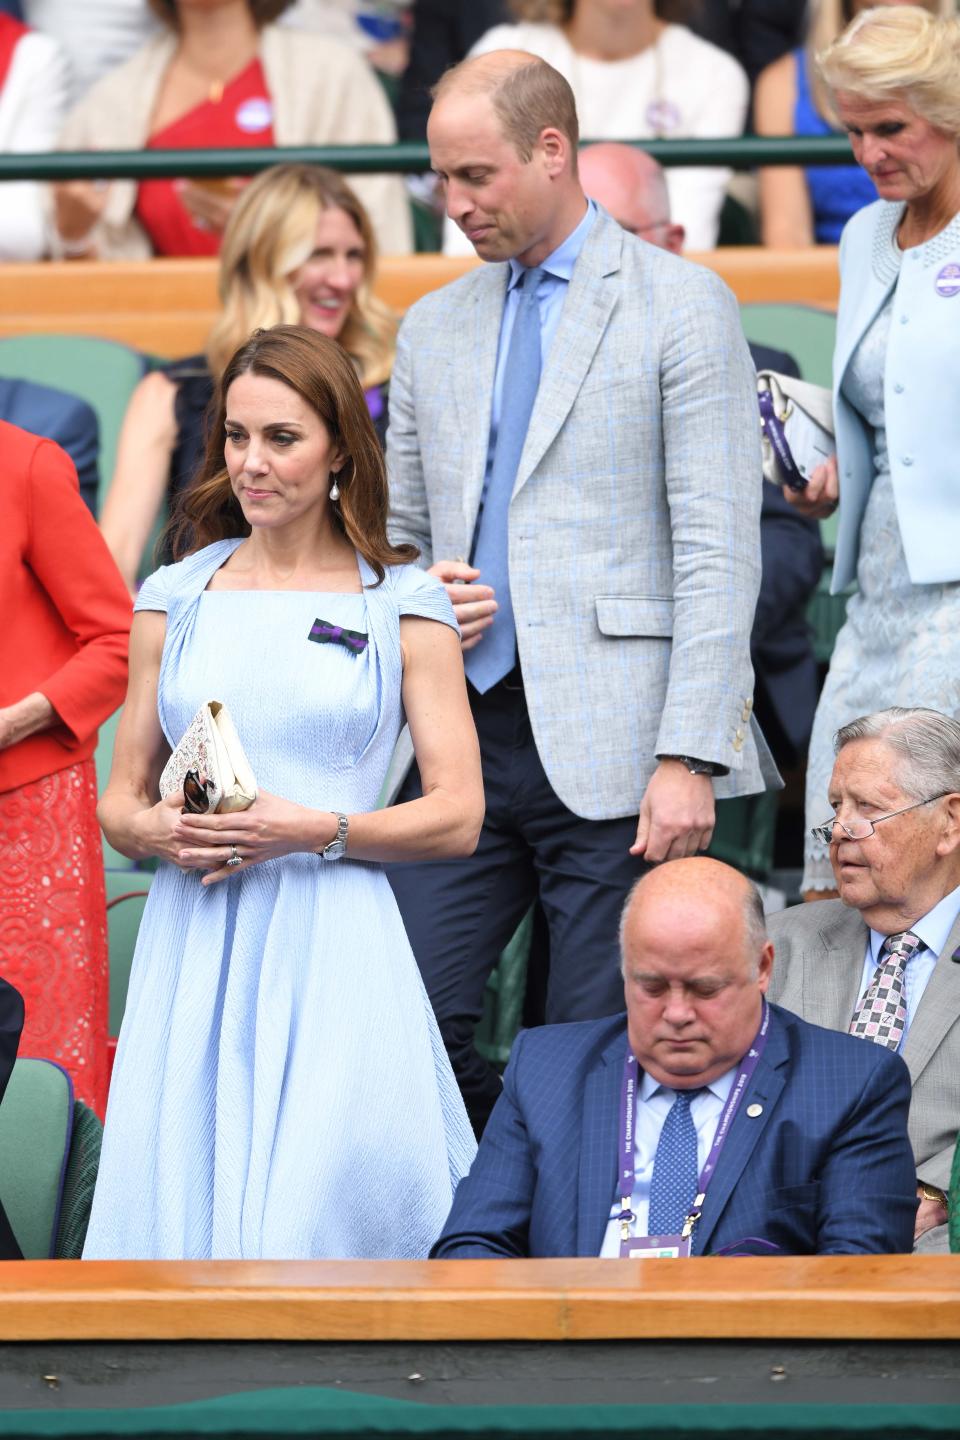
[(754, 924), (926, 744)]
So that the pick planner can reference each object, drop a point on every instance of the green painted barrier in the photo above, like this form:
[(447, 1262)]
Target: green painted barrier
[(741, 152), (321, 1412)]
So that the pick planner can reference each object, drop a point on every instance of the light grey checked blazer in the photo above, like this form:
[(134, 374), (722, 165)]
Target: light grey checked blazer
[(816, 973), (634, 523)]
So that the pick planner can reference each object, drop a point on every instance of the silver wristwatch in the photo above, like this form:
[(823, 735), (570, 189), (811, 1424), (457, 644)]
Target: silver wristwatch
[(338, 845)]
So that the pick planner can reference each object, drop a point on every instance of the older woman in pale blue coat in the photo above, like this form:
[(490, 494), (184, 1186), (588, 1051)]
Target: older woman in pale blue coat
[(895, 78)]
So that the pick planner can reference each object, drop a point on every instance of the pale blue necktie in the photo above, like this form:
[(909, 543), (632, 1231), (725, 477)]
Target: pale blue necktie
[(676, 1173), (494, 657)]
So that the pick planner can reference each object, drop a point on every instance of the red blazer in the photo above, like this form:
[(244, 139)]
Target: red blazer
[(66, 612)]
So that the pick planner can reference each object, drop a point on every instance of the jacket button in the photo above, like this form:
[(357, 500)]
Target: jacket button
[(898, 388), (904, 319), (907, 459)]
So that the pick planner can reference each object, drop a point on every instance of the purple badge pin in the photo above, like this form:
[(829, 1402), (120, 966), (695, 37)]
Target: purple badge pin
[(947, 282), (662, 116)]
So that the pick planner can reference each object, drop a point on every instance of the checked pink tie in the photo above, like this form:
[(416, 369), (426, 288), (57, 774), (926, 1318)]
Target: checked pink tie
[(881, 1015)]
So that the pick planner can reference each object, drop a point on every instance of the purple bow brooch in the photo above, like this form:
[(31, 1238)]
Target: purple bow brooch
[(323, 633)]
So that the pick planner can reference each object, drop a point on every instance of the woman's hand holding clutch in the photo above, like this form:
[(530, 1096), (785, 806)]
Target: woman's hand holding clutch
[(270, 828)]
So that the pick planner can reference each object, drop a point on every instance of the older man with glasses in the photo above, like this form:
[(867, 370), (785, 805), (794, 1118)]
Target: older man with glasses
[(883, 961)]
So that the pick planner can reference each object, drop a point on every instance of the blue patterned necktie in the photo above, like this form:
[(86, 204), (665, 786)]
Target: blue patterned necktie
[(494, 657), (676, 1173)]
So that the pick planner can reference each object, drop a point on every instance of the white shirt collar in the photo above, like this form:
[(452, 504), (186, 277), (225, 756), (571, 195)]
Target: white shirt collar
[(720, 1087), (932, 928)]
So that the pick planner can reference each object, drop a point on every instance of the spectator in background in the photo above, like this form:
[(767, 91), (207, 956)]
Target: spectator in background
[(63, 666), (443, 33), (895, 78), (98, 35), (55, 415), (635, 75), (298, 247), (34, 80), (631, 186), (221, 74), (757, 32), (804, 207)]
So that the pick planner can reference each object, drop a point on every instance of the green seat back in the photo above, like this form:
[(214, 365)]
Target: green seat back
[(803, 331), (79, 1183), (744, 833), (127, 892), (36, 1121), (503, 997), (102, 372)]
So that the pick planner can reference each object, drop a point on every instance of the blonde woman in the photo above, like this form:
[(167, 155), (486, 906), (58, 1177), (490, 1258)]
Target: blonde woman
[(894, 76), (298, 248), (807, 207)]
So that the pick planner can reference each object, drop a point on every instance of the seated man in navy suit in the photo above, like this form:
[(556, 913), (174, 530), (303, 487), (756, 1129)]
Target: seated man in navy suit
[(704, 1121), (57, 416)]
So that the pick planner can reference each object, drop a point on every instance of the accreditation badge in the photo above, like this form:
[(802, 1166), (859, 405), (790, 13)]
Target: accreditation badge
[(655, 1247)]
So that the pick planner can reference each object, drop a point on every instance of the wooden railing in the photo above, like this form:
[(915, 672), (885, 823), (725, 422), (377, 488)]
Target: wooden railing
[(166, 307), (890, 1297)]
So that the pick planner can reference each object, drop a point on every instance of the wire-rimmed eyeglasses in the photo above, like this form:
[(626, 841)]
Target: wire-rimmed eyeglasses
[(860, 828)]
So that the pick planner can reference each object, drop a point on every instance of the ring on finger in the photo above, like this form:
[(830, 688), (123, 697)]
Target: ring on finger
[(235, 858)]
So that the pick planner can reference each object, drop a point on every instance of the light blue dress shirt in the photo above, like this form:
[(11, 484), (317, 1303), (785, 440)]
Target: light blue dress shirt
[(653, 1105), (551, 293), (933, 929)]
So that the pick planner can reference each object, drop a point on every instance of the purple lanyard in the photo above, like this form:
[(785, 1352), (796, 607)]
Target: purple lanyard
[(628, 1110)]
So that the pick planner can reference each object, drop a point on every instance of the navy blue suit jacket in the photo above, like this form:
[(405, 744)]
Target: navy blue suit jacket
[(781, 642), (55, 415), (825, 1168)]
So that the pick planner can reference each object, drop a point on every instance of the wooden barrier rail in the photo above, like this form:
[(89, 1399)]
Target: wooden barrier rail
[(166, 307), (886, 1297)]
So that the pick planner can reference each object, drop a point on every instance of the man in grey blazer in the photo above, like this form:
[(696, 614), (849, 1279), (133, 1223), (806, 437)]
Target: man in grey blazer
[(573, 445), (883, 960)]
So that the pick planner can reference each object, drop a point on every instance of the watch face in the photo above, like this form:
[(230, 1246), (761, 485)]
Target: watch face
[(334, 850)]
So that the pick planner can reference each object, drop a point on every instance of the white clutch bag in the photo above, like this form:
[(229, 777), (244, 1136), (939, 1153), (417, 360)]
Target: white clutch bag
[(796, 427), (209, 765)]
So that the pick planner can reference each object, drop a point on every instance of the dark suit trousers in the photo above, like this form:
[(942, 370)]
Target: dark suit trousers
[(459, 914)]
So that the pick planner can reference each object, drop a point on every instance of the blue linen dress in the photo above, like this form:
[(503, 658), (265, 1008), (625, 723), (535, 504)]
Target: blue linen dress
[(281, 1089)]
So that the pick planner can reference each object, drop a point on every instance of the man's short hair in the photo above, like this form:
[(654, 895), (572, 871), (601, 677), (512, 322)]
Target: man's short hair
[(527, 99), (926, 744)]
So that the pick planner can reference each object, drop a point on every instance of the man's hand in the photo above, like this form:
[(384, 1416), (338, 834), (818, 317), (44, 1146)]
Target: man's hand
[(930, 1214), (820, 496), (473, 605), (676, 814)]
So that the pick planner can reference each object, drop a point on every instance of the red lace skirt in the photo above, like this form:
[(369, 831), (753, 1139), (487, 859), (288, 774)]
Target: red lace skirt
[(53, 923)]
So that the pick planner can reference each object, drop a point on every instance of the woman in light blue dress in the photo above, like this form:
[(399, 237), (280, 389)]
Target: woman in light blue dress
[(280, 1088)]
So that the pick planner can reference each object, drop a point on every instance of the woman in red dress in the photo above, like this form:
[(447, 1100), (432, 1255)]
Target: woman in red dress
[(223, 74), (63, 667)]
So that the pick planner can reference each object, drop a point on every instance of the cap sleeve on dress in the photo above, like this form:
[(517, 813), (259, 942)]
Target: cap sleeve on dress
[(154, 593), (424, 596)]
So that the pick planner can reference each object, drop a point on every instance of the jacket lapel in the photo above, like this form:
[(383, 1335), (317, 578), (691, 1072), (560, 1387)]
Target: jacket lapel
[(587, 307), (831, 981), (598, 1146), (939, 1007), (474, 363), (764, 1090)]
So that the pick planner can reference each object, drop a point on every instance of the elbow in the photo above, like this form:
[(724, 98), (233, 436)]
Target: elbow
[(464, 835)]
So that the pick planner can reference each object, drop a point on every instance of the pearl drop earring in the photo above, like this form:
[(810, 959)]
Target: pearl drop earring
[(334, 488)]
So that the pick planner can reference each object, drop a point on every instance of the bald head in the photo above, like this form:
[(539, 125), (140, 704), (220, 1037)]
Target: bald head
[(632, 187), (696, 962)]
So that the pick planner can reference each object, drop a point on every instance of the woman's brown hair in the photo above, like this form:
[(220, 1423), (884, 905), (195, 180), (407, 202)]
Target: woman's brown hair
[(321, 373), (558, 12), (262, 11)]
